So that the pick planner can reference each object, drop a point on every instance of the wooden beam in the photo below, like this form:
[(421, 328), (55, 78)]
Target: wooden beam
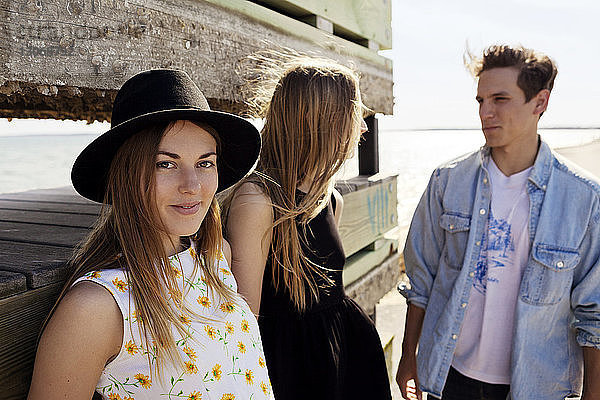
[(319, 22), (359, 264), (357, 19), (368, 149), (21, 317), (68, 63), (368, 213), (41, 265)]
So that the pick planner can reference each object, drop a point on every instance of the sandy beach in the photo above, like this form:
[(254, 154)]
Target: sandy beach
[(586, 156)]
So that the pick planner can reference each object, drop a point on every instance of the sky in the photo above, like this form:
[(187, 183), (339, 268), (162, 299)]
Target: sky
[(432, 89)]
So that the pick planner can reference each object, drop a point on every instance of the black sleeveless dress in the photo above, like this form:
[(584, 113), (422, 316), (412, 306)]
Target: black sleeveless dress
[(332, 350)]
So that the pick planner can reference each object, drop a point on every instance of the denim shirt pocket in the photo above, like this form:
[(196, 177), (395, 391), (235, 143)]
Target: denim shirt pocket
[(549, 274), (456, 229)]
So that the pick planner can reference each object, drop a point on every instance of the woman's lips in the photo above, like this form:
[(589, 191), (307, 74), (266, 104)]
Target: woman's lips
[(187, 208)]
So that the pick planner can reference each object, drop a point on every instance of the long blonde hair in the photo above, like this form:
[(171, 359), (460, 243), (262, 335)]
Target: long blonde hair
[(312, 125), (128, 234)]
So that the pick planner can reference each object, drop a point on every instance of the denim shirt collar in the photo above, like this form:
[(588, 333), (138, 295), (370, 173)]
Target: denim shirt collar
[(540, 173)]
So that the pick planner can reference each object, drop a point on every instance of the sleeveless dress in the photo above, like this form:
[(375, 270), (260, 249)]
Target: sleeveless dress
[(223, 355), (332, 350)]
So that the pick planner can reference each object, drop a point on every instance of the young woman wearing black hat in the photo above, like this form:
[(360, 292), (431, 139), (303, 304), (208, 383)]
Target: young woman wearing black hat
[(287, 252), (150, 309)]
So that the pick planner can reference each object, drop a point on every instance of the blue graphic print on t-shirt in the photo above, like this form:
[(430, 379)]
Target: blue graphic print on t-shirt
[(498, 244)]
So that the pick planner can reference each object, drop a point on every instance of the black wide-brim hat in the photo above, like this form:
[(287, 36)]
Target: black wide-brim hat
[(159, 96)]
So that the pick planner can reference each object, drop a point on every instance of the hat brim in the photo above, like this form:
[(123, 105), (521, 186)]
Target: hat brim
[(238, 152)]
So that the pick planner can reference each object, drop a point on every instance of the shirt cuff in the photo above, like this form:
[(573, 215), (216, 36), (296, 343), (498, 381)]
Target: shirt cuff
[(586, 339)]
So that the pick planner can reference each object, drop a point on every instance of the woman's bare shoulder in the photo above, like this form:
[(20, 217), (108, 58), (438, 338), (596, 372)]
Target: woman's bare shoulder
[(88, 304), (249, 190), (83, 334)]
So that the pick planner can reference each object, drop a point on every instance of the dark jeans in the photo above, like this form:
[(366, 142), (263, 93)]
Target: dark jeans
[(460, 387)]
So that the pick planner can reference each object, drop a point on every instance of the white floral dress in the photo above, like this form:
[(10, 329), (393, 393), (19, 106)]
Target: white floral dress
[(223, 356)]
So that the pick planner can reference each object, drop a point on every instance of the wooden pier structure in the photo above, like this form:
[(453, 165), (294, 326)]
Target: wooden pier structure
[(66, 59)]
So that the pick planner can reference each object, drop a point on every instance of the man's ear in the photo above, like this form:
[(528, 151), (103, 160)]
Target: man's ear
[(541, 101)]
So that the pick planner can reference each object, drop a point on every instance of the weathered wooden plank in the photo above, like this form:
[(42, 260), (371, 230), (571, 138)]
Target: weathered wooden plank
[(368, 213), (355, 19), (58, 60), (41, 234), (53, 207), (372, 286), (11, 283), (20, 319), (48, 218), (40, 196), (40, 264), (360, 263)]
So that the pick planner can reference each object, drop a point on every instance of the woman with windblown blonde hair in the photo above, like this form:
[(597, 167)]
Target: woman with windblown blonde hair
[(287, 253), (151, 308)]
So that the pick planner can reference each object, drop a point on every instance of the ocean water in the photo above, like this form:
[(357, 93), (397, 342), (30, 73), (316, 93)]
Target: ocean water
[(44, 161)]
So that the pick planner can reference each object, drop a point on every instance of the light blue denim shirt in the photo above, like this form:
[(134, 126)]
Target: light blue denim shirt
[(558, 308)]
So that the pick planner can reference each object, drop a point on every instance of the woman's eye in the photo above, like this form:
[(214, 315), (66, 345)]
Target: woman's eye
[(165, 164), (206, 164)]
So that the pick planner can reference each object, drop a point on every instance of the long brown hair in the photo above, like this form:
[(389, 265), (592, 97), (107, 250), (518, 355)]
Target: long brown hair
[(128, 234), (312, 125)]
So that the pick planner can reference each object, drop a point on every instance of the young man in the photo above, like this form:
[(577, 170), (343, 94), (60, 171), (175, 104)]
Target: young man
[(503, 256)]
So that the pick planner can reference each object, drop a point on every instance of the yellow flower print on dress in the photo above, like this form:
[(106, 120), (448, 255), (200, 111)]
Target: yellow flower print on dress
[(229, 328), (241, 347), (95, 274), (195, 396), (220, 256), (176, 271), (249, 377), (193, 253), (114, 396), (216, 372), (190, 353), (131, 347), (128, 398), (245, 326), (204, 301), (191, 368), (185, 319), (143, 380), (119, 284), (224, 271), (210, 331), (261, 362), (228, 396), (265, 388), (135, 316), (227, 307)]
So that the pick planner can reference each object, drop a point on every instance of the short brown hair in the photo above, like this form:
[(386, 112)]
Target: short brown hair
[(536, 70)]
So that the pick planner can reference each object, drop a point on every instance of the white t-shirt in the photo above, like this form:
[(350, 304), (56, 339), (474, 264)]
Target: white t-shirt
[(484, 345)]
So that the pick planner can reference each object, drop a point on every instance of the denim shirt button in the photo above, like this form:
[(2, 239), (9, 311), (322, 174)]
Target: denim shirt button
[(463, 305), (485, 180), (478, 243), (451, 227), (471, 274), (482, 211), (560, 264), (455, 336)]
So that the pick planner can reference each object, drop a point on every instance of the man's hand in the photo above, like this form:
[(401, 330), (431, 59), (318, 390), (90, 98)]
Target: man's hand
[(406, 377)]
